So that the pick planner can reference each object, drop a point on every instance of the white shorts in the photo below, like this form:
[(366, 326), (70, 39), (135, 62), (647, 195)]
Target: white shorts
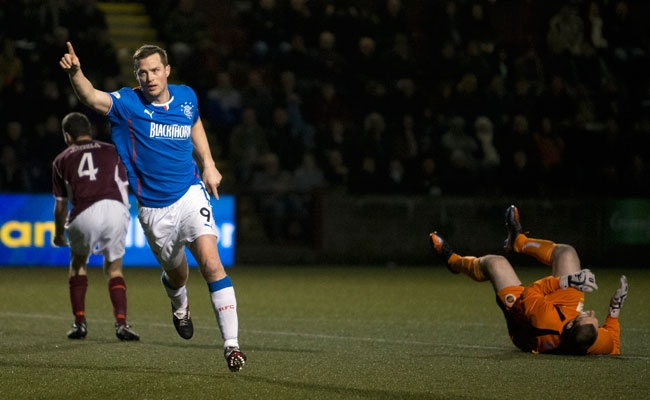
[(100, 229), (169, 229)]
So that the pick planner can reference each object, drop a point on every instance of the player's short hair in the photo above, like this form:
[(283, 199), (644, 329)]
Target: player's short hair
[(148, 50), (578, 338), (76, 124)]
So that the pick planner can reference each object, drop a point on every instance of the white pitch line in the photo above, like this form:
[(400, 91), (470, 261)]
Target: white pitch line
[(312, 335)]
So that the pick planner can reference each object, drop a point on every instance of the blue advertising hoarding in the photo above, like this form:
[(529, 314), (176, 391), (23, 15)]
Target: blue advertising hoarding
[(27, 228)]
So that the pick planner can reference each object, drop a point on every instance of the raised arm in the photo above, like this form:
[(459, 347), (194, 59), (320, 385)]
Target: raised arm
[(211, 176), (83, 88)]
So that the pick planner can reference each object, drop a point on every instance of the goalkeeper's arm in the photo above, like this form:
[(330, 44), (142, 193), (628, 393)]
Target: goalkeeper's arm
[(616, 303)]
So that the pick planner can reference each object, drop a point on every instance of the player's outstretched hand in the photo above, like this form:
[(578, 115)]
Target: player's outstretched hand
[(583, 280), (70, 62), (616, 303)]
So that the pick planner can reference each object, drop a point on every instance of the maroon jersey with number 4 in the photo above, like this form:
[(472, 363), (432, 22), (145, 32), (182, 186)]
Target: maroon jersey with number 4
[(87, 172)]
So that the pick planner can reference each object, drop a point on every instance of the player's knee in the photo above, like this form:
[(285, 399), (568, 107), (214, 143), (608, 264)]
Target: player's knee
[(494, 261), (565, 252)]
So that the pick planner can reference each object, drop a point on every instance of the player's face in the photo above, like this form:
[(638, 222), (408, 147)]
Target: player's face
[(587, 318), (152, 76)]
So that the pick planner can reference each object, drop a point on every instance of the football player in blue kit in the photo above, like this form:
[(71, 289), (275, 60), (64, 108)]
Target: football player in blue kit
[(158, 133)]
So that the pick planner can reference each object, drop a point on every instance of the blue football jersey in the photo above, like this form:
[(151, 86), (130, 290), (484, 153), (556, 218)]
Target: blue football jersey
[(154, 142)]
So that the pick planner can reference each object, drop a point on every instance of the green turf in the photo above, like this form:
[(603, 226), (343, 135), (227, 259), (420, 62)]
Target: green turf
[(309, 333)]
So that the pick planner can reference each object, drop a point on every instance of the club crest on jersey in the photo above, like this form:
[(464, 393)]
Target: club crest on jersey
[(187, 109)]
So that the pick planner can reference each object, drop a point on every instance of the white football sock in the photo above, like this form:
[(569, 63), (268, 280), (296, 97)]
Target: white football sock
[(224, 304), (177, 296)]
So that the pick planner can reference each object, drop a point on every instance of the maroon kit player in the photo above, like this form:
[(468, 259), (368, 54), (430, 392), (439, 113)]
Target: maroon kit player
[(90, 176)]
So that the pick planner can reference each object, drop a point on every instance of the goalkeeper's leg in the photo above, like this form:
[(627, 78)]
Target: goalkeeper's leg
[(468, 265), (540, 249), (562, 258), (518, 241), (494, 268)]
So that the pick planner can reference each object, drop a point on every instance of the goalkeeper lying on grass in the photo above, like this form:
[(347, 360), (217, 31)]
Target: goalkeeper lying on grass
[(546, 316)]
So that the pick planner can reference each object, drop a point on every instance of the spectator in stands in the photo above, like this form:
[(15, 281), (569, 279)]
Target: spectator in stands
[(11, 66), (326, 103), (184, 31), (595, 26), (566, 32), (296, 57), (223, 108), (85, 20), (405, 156), (13, 175), (329, 63), (448, 26), (477, 27), (489, 157), (604, 166), (405, 98), (467, 97), (248, 143), (257, 94), (399, 179), (524, 99), (308, 178), (267, 30), (15, 137), (551, 150), (308, 175), (557, 101), (273, 186), (290, 96), (375, 144), (336, 150), (428, 181), (399, 60), (52, 100), (284, 140), (528, 67), (367, 177), (367, 77), (473, 60), (47, 145), (336, 170), (521, 167), (300, 18), (498, 101), (625, 37), (462, 150)]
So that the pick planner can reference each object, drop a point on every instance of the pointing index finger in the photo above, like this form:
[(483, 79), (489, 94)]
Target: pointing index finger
[(70, 48)]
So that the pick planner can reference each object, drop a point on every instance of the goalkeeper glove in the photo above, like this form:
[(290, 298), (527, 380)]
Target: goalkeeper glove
[(583, 280), (618, 299)]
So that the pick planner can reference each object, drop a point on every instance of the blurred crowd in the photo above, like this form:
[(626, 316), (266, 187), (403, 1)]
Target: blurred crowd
[(450, 97)]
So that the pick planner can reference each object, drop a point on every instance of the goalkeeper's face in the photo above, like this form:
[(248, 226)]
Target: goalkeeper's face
[(586, 318)]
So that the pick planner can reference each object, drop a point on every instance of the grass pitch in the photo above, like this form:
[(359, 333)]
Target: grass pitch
[(313, 332)]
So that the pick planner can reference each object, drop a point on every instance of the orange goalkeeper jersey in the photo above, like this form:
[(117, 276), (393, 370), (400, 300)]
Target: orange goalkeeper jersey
[(538, 316)]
